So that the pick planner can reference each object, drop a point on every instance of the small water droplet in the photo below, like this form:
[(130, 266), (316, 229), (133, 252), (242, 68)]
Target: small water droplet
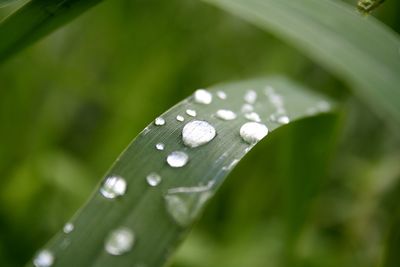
[(159, 121), (202, 96), (252, 132), (160, 146), (177, 159), (113, 186), (250, 96), (119, 241), (226, 114), (68, 228), (180, 118), (281, 119), (246, 108), (252, 116), (153, 179), (222, 95), (191, 112), (197, 133), (44, 258), (184, 208)]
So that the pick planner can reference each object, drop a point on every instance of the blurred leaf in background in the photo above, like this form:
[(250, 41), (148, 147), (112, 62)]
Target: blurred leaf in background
[(322, 192)]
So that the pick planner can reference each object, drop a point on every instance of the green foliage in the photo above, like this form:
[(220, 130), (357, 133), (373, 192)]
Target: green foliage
[(321, 192)]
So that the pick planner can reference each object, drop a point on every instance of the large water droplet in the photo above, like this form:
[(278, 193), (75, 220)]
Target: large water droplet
[(252, 132), (191, 112), (225, 114), (222, 95), (180, 118), (184, 208), (68, 228), (177, 159), (250, 96), (113, 186), (159, 121), (44, 258), (202, 96), (153, 179), (252, 116), (160, 146), (120, 241), (197, 133)]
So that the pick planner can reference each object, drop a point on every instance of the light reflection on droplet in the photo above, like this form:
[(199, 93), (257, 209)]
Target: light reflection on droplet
[(159, 121), (113, 186), (197, 133), (160, 146), (202, 96), (153, 179), (119, 241), (191, 112), (252, 132), (44, 258), (177, 159), (225, 114)]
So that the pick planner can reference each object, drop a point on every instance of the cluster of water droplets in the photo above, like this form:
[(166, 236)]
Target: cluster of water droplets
[(280, 115)]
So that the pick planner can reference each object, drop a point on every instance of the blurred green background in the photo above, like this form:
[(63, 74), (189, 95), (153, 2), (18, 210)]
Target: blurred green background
[(320, 192)]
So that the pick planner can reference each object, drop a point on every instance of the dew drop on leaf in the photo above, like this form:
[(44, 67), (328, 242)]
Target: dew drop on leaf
[(225, 114), (252, 116), (184, 208), (221, 95), (159, 121), (202, 96), (250, 96), (177, 159), (197, 133), (252, 132), (68, 228), (180, 118), (153, 179), (160, 146), (119, 241), (247, 108), (44, 258), (113, 186), (191, 112)]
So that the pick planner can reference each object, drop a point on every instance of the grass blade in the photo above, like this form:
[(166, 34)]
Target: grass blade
[(361, 50), (35, 20), (160, 216)]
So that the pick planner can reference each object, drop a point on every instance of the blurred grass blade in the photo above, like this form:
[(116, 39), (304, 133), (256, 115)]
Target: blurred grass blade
[(36, 19), (160, 211), (360, 50)]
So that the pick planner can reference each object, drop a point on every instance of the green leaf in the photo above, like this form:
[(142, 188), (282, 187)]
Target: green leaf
[(35, 20), (360, 50), (160, 216)]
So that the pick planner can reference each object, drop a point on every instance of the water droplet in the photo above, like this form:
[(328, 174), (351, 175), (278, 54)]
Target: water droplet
[(250, 96), (247, 108), (44, 258), (252, 116), (160, 146), (281, 119), (222, 95), (159, 121), (68, 228), (184, 208), (113, 186), (197, 133), (180, 118), (120, 241), (153, 179), (225, 114), (177, 159), (252, 132), (191, 112), (202, 96), (193, 189)]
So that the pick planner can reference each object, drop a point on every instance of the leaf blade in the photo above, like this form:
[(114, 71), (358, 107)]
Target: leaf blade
[(144, 208), (361, 50)]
